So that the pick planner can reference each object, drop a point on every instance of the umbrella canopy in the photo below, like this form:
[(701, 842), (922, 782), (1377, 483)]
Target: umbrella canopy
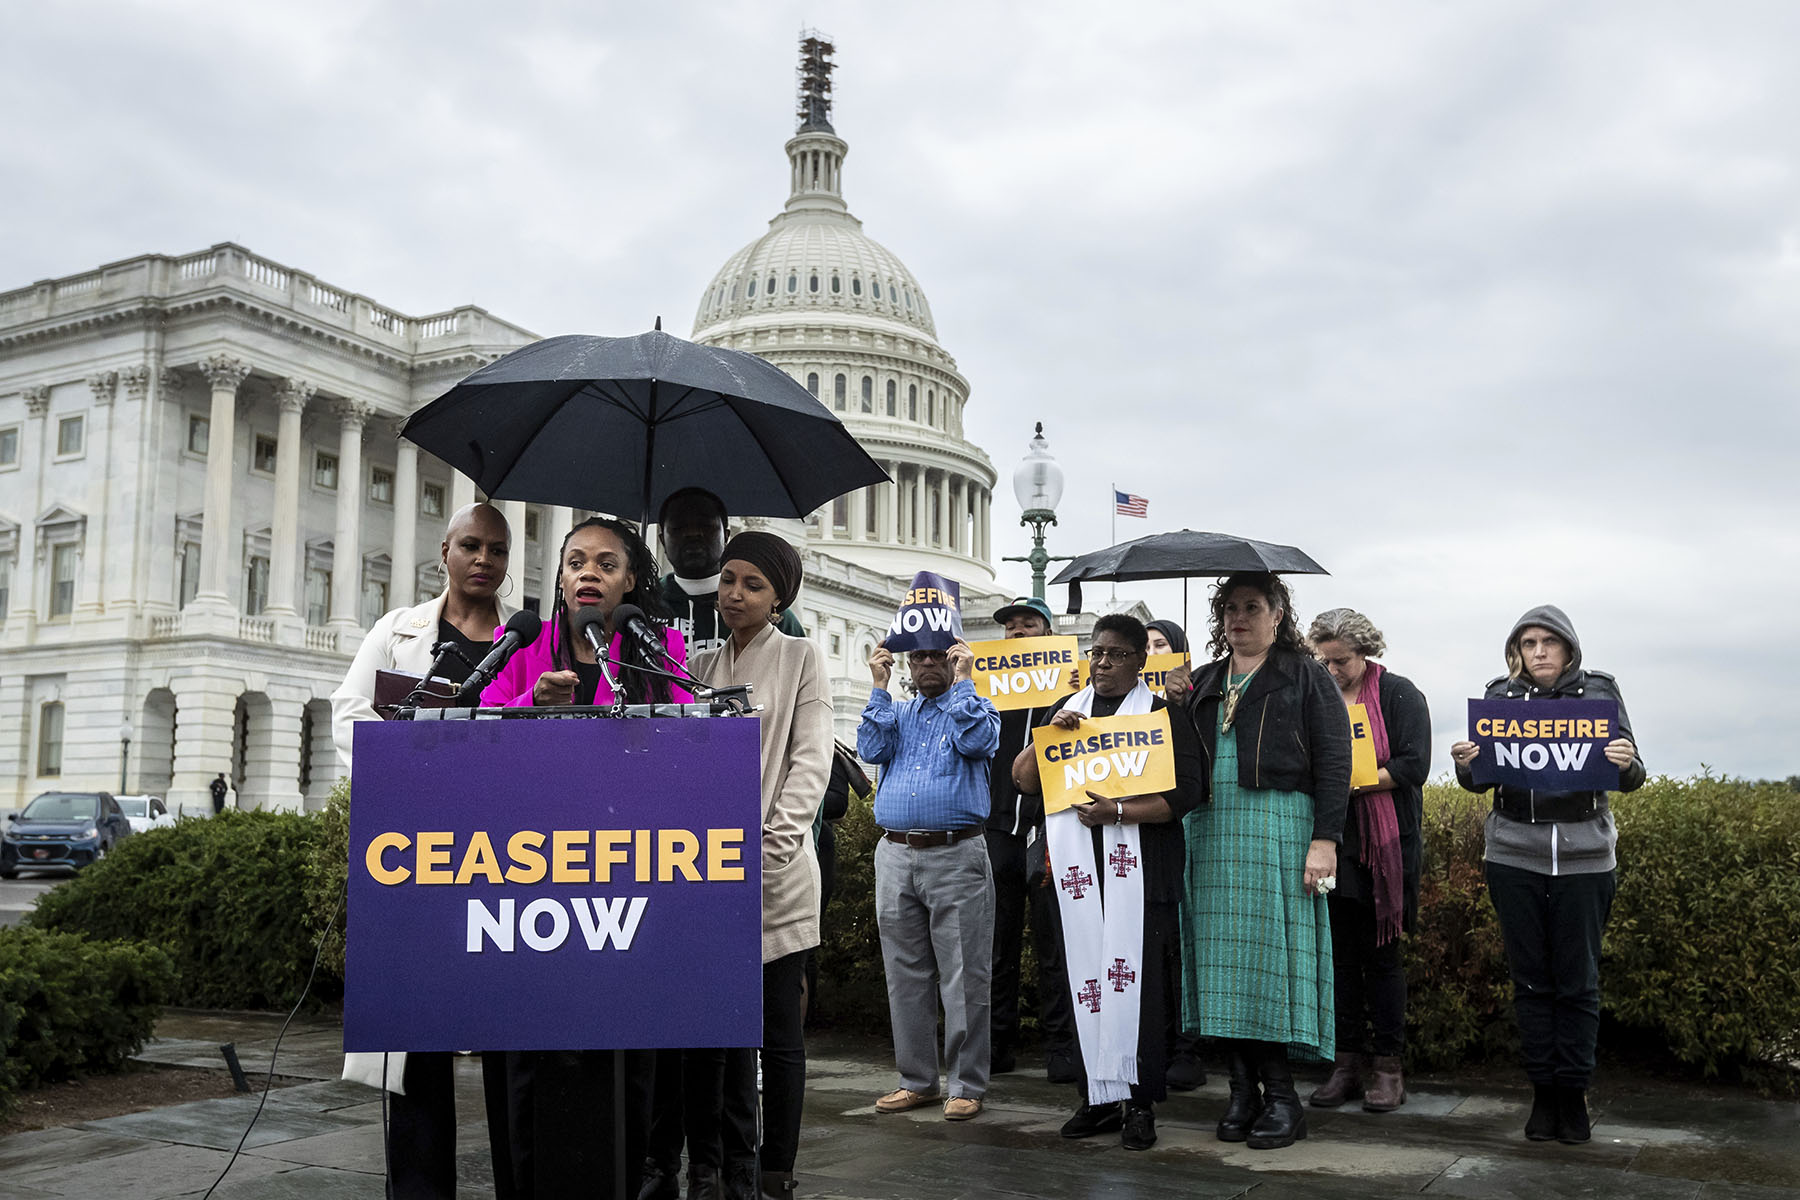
[(1182, 555), (619, 424), (1188, 552)]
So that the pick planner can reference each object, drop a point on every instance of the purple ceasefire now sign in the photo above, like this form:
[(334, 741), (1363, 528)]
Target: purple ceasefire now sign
[(554, 885)]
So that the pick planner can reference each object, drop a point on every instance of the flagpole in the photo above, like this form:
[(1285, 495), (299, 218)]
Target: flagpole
[(1113, 501)]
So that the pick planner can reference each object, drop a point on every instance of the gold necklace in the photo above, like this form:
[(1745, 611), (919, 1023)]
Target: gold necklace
[(1234, 694)]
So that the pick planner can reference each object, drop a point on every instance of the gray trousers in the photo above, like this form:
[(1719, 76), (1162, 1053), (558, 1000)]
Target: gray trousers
[(935, 909)]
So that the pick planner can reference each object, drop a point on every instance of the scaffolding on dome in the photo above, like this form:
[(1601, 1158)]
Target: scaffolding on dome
[(814, 79)]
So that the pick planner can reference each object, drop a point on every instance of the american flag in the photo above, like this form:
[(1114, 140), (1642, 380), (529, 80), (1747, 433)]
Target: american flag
[(1127, 505)]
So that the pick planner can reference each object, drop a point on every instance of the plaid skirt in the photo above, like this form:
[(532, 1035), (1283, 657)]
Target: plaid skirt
[(1256, 951)]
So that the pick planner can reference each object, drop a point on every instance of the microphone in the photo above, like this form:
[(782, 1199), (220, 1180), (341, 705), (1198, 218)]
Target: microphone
[(630, 618), (521, 630), (589, 624)]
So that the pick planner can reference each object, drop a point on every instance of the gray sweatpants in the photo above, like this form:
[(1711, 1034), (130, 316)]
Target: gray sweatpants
[(935, 909)]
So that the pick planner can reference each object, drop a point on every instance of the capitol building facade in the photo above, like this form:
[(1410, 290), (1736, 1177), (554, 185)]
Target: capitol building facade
[(204, 503)]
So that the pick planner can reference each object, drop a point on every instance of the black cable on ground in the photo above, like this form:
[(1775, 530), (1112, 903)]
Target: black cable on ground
[(269, 1082)]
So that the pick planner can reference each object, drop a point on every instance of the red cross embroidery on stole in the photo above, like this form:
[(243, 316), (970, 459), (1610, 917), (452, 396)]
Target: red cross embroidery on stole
[(1076, 883), (1089, 995), (1120, 975), (1122, 860)]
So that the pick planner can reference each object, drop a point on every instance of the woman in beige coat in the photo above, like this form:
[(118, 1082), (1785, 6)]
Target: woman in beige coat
[(759, 578)]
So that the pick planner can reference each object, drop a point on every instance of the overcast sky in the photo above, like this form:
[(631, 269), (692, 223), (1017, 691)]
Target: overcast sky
[(1483, 305)]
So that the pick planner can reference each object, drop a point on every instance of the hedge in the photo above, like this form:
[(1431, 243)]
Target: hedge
[(1699, 957), (69, 1005), (224, 896)]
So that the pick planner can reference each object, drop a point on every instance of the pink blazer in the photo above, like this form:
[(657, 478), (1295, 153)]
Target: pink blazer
[(512, 687)]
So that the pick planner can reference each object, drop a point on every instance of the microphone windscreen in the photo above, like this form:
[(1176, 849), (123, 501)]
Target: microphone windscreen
[(527, 625), (625, 614), (584, 616)]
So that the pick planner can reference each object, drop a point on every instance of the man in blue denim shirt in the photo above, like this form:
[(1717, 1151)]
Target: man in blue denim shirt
[(934, 888)]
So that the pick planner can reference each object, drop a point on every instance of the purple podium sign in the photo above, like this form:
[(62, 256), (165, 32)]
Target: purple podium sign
[(555, 885)]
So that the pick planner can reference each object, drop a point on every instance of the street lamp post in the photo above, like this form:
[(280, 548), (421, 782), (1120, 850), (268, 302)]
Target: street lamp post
[(124, 751), (1038, 485)]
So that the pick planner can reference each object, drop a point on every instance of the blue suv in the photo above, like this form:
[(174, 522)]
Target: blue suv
[(61, 829)]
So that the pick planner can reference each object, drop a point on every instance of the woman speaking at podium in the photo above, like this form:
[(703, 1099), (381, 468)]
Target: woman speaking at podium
[(550, 1112), (759, 578)]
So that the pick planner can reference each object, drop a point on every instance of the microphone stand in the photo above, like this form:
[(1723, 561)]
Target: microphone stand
[(603, 657)]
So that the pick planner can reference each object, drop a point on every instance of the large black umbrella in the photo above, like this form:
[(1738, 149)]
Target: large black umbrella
[(1182, 555), (618, 424)]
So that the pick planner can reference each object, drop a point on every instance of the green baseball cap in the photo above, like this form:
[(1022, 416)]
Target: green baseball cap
[(1022, 606)]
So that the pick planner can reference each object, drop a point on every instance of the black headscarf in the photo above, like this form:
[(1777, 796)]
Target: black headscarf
[(771, 555), (1178, 643)]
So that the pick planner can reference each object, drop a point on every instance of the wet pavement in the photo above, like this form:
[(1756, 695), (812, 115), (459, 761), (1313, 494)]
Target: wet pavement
[(321, 1138)]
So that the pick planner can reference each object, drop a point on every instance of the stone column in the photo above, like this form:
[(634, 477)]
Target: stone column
[(403, 570), (920, 528), (462, 494), (987, 525), (22, 614), (858, 519), (890, 506), (225, 374), (273, 761), (131, 496), (552, 526), (89, 603), (944, 511), (284, 529), (514, 512), (346, 542)]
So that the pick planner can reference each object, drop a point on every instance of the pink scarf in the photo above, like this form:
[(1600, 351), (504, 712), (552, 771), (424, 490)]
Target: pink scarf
[(1375, 820)]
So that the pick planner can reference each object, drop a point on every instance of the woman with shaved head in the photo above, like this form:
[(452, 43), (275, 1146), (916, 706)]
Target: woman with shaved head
[(472, 562)]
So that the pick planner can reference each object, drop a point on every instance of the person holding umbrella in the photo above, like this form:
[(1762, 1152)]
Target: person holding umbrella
[(550, 1112), (1262, 853), (1378, 872), (759, 578), (1551, 871)]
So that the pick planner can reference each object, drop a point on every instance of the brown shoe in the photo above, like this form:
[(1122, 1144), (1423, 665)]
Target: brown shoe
[(1386, 1091), (1345, 1082), (960, 1108), (904, 1099)]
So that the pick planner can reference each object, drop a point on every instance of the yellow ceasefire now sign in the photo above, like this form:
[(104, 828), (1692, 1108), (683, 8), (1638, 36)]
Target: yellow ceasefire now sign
[(1024, 672), (1113, 757), (1363, 771), (1156, 670)]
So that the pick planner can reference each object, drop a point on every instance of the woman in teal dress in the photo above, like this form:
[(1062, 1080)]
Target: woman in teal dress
[(1256, 937)]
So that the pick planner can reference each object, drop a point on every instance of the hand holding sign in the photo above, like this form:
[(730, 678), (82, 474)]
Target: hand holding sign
[(881, 666), (961, 659)]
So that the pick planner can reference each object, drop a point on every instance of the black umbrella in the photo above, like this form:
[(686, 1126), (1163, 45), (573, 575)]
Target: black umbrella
[(618, 424), (1182, 555)]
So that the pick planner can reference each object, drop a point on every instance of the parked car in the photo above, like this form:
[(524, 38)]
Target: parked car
[(61, 829), (145, 812)]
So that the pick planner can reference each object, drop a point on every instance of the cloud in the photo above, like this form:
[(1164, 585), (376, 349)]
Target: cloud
[(1484, 305)]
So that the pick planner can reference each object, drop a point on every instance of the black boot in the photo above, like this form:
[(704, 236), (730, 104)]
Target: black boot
[(1245, 1104), (1572, 1127), (1139, 1132), (662, 1181), (778, 1185), (705, 1183), (739, 1179), (1540, 1126), (1283, 1121)]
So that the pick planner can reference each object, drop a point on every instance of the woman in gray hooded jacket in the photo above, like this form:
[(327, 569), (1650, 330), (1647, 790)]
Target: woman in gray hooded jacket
[(1550, 875)]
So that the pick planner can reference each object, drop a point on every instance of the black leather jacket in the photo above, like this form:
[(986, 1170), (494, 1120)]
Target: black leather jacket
[(1524, 804), (1292, 732)]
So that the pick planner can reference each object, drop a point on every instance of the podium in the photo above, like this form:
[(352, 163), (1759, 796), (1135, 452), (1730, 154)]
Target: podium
[(556, 880)]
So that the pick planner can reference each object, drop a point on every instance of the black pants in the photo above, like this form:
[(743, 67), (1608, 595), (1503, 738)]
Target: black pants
[(1013, 893), (421, 1130), (550, 1122), (1162, 933), (783, 1061), (1369, 981), (1552, 926), (690, 1088)]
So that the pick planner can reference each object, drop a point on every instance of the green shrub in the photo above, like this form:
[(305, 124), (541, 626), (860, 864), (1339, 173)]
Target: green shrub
[(69, 1005), (328, 875), (852, 984), (1703, 949), (223, 896)]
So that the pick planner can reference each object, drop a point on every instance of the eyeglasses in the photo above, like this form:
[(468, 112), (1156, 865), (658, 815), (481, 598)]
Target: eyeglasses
[(927, 656), (1106, 654)]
